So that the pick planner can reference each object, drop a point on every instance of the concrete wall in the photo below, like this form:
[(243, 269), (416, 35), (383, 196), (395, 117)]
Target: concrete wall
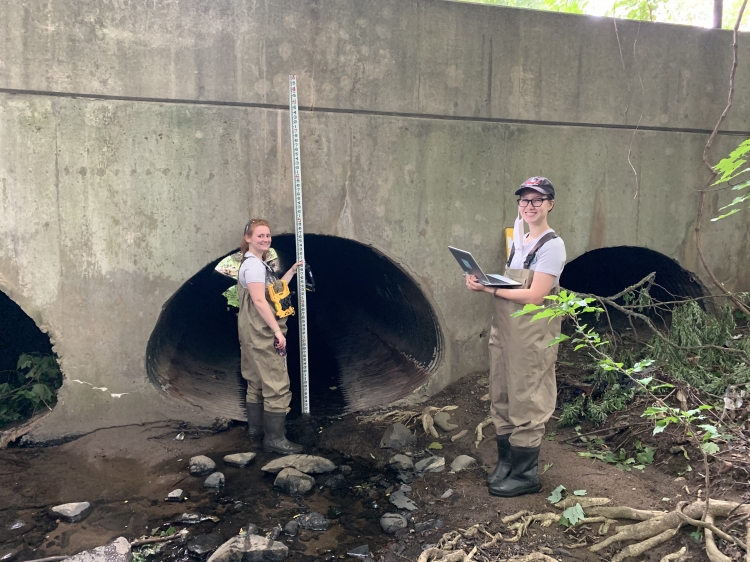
[(137, 137)]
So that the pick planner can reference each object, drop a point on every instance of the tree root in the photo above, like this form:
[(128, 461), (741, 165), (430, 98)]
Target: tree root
[(678, 556), (623, 512), (713, 552), (584, 502), (639, 548), (478, 430)]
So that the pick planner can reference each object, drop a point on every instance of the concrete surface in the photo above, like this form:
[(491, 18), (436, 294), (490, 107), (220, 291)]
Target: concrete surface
[(137, 138)]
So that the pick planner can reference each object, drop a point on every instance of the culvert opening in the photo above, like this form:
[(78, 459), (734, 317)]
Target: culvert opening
[(608, 271), (28, 366), (373, 335)]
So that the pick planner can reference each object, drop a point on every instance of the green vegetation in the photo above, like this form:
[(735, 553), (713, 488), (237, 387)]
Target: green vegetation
[(28, 387)]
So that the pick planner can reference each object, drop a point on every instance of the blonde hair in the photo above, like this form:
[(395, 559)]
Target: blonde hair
[(249, 228)]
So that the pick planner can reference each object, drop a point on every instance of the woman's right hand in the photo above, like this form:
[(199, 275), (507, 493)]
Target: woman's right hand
[(280, 339)]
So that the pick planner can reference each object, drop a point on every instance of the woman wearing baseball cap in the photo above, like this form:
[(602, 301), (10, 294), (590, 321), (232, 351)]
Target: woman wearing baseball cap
[(522, 367)]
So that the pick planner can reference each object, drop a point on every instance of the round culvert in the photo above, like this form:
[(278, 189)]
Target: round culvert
[(607, 271), (19, 336), (373, 336)]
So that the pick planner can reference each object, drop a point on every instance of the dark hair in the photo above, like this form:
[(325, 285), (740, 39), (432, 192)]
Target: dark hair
[(249, 228)]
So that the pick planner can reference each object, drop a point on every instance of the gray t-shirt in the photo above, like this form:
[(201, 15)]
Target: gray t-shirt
[(549, 259), (252, 270)]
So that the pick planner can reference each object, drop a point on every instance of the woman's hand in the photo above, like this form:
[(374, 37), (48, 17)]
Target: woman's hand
[(292, 271), (280, 339), (473, 285)]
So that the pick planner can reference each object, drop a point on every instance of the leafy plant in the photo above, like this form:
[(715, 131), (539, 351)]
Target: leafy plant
[(31, 385), (731, 168), (572, 515), (232, 297)]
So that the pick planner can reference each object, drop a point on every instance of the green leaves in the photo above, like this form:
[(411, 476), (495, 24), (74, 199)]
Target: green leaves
[(556, 494), (434, 445), (731, 168), (572, 515), (29, 388)]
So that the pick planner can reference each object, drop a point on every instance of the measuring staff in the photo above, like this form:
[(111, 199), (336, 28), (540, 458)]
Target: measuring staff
[(523, 390), (261, 323)]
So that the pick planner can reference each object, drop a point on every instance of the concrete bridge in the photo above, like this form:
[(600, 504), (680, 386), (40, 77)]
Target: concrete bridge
[(138, 136)]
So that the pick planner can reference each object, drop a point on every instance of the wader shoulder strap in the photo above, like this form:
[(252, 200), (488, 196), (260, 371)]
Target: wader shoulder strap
[(532, 254)]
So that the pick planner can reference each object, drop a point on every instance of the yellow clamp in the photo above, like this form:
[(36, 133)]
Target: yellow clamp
[(276, 299)]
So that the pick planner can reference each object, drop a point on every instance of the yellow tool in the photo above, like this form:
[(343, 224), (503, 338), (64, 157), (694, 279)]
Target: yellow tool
[(277, 297)]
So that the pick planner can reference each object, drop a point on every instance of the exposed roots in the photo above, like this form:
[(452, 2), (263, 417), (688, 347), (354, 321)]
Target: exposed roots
[(408, 418), (678, 556), (478, 430)]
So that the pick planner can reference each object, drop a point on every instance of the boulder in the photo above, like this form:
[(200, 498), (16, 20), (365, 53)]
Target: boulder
[(201, 466), (430, 464), (309, 464), (401, 462), (393, 522), (397, 436), (216, 480), (116, 551), (240, 460), (294, 482), (441, 420), (71, 512), (250, 548), (462, 462)]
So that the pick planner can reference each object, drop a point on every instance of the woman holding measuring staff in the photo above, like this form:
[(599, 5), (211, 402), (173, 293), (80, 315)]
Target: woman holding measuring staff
[(261, 324), (522, 367)]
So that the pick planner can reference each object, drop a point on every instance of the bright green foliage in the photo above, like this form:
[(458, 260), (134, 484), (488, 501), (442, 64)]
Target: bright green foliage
[(232, 297), (572, 515), (731, 168), (556, 494), (32, 385)]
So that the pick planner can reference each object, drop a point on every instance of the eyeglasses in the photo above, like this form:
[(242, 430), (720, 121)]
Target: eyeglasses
[(523, 203), (252, 222)]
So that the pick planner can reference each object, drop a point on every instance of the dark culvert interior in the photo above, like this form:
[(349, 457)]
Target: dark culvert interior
[(607, 271), (373, 336)]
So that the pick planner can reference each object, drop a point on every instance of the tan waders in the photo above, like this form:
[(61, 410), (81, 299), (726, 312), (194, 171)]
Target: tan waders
[(268, 394), (522, 391)]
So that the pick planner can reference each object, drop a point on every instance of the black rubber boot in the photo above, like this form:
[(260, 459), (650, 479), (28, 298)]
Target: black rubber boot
[(523, 478), (254, 421), (274, 439), (503, 460)]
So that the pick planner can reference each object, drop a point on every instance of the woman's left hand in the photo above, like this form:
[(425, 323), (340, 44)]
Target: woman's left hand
[(474, 285), (293, 270)]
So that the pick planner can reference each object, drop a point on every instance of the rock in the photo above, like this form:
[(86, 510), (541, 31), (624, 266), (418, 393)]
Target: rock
[(71, 512), (360, 552), (448, 493), (294, 482), (116, 551), (251, 529), (313, 521), (430, 464), (334, 482), (201, 545), (240, 460), (17, 525), (399, 499), (250, 548), (393, 522), (201, 466), (176, 496), (216, 480), (427, 525), (462, 462), (397, 436), (345, 469), (309, 464), (195, 518), (458, 435), (401, 462), (291, 529), (441, 420)]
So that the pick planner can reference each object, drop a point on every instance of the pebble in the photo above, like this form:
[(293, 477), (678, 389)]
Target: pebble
[(240, 460), (458, 435), (360, 552), (309, 464), (216, 480), (393, 522), (313, 521), (397, 436), (71, 512), (401, 462), (17, 524), (441, 420), (251, 529), (291, 529), (399, 499), (201, 466), (176, 496), (448, 493), (294, 482), (333, 482), (462, 462), (430, 464), (345, 469)]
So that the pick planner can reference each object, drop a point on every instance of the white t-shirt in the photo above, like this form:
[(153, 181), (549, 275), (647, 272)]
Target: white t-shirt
[(252, 270), (549, 259)]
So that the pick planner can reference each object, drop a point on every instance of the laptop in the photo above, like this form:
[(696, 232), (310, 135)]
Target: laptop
[(470, 266)]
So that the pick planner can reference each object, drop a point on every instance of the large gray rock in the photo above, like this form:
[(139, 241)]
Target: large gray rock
[(294, 482), (309, 464), (393, 522), (401, 462), (313, 521), (397, 436), (201, 545), (441, 420), (216, 480), (201, 465), (71, 512), (116, 551), (462, 462), (240, 460), (250, 548), (430, 464)]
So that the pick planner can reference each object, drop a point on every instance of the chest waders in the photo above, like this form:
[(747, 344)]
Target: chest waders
[(523, 390), (268, 395)]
